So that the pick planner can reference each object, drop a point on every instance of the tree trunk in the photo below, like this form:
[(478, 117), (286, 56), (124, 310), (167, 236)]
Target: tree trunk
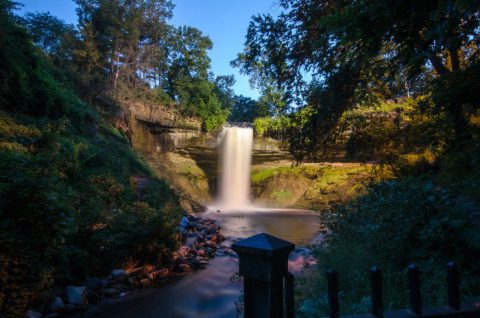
[(454, 59), (438, 65), (460, 123)]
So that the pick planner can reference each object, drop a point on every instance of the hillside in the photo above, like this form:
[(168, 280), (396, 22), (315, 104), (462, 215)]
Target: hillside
[(76, 200)]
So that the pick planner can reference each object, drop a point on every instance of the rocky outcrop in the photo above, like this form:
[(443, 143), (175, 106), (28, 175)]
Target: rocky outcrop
[(161, 116)]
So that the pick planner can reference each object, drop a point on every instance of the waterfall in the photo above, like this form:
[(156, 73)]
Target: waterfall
[(236, 157)]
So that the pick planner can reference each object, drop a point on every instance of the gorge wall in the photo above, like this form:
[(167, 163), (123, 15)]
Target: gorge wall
[(180, 152)]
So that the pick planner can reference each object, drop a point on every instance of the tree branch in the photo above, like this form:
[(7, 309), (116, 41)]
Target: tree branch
[(454, 59), (438, 65)]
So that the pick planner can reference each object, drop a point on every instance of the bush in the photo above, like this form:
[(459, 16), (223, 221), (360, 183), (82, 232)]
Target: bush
[(394, 224)]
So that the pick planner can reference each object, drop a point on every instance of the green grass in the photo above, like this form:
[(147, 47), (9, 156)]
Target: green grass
[(259, 176), (282, 196)]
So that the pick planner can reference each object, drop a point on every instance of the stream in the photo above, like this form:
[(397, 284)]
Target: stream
[(214, 292)]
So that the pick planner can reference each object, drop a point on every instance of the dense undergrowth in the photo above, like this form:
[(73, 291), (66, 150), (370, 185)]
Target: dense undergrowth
[(428, 214), (71, 204)]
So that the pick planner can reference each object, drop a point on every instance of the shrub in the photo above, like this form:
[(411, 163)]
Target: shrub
[(394, 224)]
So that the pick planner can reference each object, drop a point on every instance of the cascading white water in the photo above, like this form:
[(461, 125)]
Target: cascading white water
[(236, 157)]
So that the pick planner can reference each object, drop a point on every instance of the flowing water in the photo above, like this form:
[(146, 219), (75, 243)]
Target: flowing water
[(236, 157), (214, 292)]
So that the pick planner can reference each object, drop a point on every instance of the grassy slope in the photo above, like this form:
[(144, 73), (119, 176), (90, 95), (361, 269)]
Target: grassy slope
[(70, 203)]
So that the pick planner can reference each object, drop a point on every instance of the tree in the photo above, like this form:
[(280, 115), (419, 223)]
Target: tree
[(223, 90), (244, 109), (274, 100), (187, 59), (54, 36), (351, 49), (127, 34)]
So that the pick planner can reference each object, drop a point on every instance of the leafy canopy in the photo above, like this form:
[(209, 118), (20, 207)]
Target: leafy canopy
[(358, 52)]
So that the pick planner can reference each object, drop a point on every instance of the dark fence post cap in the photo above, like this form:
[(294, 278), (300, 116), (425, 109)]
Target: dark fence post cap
[(263, 257), (263, 244)]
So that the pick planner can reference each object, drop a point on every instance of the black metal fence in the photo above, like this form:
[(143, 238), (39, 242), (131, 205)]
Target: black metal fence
[(269, 287)]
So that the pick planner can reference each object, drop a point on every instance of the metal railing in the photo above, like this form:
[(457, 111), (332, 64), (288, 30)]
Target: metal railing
[(269, 287)]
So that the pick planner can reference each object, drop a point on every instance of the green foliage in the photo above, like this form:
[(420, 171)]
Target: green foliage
[(121, 49), (394, 224), (51, 34), (273, 126), (69, 206), (246, 109), (460, 172), (398, 134), (336, 56), (27, 83), (198, 98)]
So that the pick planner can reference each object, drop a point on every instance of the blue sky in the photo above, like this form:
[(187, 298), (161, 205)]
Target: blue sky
[(224, 21)]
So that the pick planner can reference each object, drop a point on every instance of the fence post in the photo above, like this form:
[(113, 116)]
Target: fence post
[(377, 297), (415, 289), (332, 286), (289, 296), (264, 266), (453, 286)]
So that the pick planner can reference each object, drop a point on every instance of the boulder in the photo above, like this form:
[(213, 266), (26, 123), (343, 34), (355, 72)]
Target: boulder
[(119, 274), (137, 272), (210, 251), (184, 250), (181, 260), (33, 314), (211, 244), (75, 295), (160, 274), (211, 229), (110, 292), (95, 283), (93, 297), (184, 222), (70, 308), (185, 268), (56, 306), (145, 283), (192, 218)]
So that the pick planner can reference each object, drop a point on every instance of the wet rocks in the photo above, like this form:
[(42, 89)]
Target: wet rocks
[(201, 240)]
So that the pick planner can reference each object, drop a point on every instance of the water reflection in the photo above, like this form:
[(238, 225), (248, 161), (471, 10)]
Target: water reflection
[(296, 226)]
